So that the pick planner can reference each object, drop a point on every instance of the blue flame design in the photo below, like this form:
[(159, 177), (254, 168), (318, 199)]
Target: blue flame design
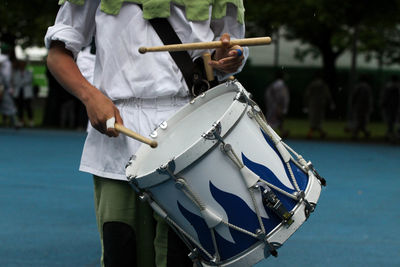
[(267, 175), (301, 177), (239, 214), (201, 228)]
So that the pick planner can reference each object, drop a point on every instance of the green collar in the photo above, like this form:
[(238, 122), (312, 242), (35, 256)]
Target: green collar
[(196, 10)]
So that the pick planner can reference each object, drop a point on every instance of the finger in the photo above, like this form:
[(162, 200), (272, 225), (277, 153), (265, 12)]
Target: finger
[(227, 62), (225, 39), (99, 126), (118, 118), (236, 50), (227, 66)]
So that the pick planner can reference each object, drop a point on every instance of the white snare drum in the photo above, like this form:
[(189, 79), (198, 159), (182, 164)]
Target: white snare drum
[(224, 179)]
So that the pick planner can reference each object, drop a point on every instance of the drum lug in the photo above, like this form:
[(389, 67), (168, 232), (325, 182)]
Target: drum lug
[(214, 133), (241, 97), (308, 207), (195, 257), (133, 183), (168, 168), (314, 171), (144, 197), (270, 248)]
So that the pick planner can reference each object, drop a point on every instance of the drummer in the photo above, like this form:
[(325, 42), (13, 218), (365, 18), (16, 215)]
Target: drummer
[(139, 91)]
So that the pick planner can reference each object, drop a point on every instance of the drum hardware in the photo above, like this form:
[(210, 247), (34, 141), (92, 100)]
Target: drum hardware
[(133, 183), (241, 97), (269, 247), (167, 168), (163, 125), (314, 171), (214, 133), (216, 258), (255, 113), (187, 239), (195, 257), (154, 134), (271, 201), (308, 207), (228, 150)]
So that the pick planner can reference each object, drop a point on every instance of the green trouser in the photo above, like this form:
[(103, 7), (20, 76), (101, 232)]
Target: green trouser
[(116, 201)]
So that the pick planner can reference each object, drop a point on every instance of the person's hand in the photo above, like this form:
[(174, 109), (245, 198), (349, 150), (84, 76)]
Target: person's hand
[(227, 59), (100, 109)]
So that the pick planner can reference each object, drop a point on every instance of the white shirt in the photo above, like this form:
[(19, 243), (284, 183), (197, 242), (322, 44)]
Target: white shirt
[(86, 62), (123, 74)]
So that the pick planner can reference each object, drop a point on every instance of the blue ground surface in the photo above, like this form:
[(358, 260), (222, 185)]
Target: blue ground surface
[(47, 217)]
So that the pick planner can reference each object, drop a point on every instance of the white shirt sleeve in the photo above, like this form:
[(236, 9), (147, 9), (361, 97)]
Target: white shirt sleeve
[(229, 24), (74, 26)]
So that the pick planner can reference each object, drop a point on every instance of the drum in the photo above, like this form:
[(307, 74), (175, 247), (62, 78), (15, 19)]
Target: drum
[(224, 180)]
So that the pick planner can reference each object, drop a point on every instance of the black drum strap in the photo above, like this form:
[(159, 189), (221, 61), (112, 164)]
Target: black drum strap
[(182, 58), (193, 72)]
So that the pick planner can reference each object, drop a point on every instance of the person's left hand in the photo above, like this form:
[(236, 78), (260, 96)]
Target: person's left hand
[(227, 59)]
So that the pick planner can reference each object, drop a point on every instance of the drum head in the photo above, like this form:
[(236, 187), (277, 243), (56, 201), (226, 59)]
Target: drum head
[(184, 129)]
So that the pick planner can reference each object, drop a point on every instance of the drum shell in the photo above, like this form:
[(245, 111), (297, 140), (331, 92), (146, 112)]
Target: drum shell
[(217, 182)]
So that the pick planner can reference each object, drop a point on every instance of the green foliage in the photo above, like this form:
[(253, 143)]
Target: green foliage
[(25, 22), (330, 27)]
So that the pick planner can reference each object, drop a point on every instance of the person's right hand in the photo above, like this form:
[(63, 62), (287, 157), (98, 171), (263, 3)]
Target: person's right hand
[(99, 109)]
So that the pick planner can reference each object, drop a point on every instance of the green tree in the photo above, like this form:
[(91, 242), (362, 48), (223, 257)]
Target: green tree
[(329, 27), (25, 22)]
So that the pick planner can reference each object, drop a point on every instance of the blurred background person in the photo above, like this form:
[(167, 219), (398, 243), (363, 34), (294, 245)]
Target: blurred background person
[(7, 107), (22, 83), (361, 107), (389, 104), (277, 98), (317, 97)]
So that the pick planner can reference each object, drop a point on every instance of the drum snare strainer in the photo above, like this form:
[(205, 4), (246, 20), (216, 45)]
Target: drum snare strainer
[(224, 180)]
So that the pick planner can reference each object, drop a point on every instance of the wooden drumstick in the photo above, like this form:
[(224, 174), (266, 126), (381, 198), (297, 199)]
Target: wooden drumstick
[(122, 129), (206, 45), (208, 68)]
